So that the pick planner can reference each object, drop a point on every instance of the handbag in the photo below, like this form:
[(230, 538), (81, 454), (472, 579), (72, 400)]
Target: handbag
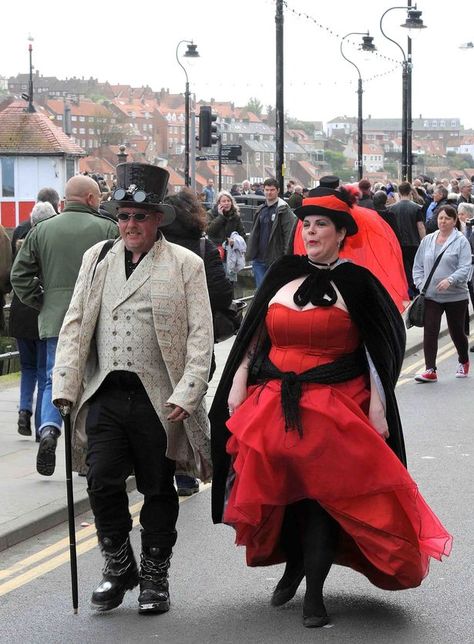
[(225, 322), (416, 310)]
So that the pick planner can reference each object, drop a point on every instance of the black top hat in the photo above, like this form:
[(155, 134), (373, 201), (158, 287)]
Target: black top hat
[(329, 181), (143, 186)]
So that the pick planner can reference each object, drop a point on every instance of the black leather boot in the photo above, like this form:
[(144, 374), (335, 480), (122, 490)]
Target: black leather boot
[(24, 422), (46, 457), (120, 574), (154, 589)]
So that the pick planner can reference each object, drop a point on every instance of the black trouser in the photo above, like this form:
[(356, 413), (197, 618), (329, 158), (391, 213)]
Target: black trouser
[(124, 434), (456, 317), (408, 255)]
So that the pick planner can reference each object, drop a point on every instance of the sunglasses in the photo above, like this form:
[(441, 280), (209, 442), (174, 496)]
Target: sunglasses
[(138, 216)]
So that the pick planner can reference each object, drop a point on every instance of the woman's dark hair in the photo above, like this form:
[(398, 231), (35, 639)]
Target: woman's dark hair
[(189, 209), (451, 212)]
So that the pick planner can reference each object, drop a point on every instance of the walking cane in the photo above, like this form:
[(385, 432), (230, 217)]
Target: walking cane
[(66, 414)]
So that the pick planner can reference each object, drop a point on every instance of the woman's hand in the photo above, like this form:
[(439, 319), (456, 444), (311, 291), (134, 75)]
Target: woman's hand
[(238, 392), (443, 285), (378, 420)]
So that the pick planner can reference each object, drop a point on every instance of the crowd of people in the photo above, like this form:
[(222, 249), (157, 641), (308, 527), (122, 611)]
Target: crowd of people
[(113, 310)]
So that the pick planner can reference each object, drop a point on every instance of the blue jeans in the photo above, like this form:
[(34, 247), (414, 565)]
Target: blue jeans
[(33, 373), (49, 413), (259, 268)]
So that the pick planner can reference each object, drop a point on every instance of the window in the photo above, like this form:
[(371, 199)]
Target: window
[(82, 130), (426, 123), (74, 130), (434, 123), (83, 143), (59, 117), (442, 123), (7, 176), (257, 157), (70, 169), (73, 118), (454, 123), (91, 119), (82, 119), (91, 130)]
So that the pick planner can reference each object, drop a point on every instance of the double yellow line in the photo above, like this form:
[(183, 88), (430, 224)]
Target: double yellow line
[(56, 555), (407, 374)]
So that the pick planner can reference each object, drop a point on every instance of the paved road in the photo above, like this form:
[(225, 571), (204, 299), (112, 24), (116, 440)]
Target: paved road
[(217, 599)]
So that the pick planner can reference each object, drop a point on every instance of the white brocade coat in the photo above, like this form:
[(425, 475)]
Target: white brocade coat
[(183, 324)]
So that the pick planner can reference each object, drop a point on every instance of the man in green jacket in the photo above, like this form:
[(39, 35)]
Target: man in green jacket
[(43, 276)]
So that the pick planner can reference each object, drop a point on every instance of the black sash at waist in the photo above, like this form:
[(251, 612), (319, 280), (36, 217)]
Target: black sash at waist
[(341, 370)]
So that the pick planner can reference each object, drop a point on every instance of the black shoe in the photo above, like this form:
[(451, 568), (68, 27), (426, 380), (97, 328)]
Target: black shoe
[(314, 613), (24, 422), (46, 457), (288, 584), (187, 485), (120, 574), (154, 589)]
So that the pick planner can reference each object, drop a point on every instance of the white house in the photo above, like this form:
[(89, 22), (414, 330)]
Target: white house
[(34, 154)]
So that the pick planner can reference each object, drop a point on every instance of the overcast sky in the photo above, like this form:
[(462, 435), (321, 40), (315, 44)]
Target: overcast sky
[(135, 43)]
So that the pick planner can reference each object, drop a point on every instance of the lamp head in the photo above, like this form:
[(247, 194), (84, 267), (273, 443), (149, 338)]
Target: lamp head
[(414, 20), (368, 44), (191, 51)]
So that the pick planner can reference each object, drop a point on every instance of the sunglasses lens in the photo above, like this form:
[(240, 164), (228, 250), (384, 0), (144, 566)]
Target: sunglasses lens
[(140, 216), (123, 216)]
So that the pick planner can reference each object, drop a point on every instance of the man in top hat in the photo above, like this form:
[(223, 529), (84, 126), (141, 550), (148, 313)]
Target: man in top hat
[(329, 181), (43, 277), (133, 362)]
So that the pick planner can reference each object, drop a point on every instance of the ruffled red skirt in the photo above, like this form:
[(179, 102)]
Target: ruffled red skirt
[(388, 532)]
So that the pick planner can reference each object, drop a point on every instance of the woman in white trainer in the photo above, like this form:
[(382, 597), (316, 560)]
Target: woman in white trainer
[(447, 291)]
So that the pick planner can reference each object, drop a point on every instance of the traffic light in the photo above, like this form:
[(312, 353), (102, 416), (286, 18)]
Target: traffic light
[(235, 153), (207, 127)]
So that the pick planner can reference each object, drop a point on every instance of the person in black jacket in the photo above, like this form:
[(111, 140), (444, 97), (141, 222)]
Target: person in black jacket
[(224, 219), (187, 230), (23, 326)]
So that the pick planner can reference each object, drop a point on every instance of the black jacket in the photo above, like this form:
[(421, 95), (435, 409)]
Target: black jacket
[(220, 227), (379, 323), (23, 319), (219, 287)]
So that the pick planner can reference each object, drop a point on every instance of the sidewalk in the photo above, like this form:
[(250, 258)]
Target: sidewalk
[(32, 503)]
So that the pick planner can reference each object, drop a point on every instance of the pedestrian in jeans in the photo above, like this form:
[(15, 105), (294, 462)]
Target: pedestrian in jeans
[(271, 231), (53, 250), (23, 326), (447, 291)]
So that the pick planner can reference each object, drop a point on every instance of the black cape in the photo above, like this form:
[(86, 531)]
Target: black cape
[(382, 330)]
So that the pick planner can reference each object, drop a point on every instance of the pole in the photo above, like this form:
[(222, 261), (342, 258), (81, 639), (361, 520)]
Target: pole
[(31, 107), (409, 115), (404, 120), (66, 414), (280, 115), (360, 142), (186, 135), (193, 148), (219, 148)]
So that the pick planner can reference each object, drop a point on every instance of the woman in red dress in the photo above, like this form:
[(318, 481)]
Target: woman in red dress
[(309, 460)]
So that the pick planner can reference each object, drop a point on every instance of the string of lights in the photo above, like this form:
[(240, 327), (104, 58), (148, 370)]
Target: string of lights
[(331, 32)]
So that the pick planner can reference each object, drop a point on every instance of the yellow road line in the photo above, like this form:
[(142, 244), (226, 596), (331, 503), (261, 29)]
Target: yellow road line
[(444, 356), (420, 363), (41, 569)]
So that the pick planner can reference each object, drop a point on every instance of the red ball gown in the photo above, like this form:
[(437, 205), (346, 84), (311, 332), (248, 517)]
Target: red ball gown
[(388, 532)]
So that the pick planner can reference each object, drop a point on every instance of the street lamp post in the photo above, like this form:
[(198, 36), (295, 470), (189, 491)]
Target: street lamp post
[(413, 21), (367, 45), (191, 52)]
